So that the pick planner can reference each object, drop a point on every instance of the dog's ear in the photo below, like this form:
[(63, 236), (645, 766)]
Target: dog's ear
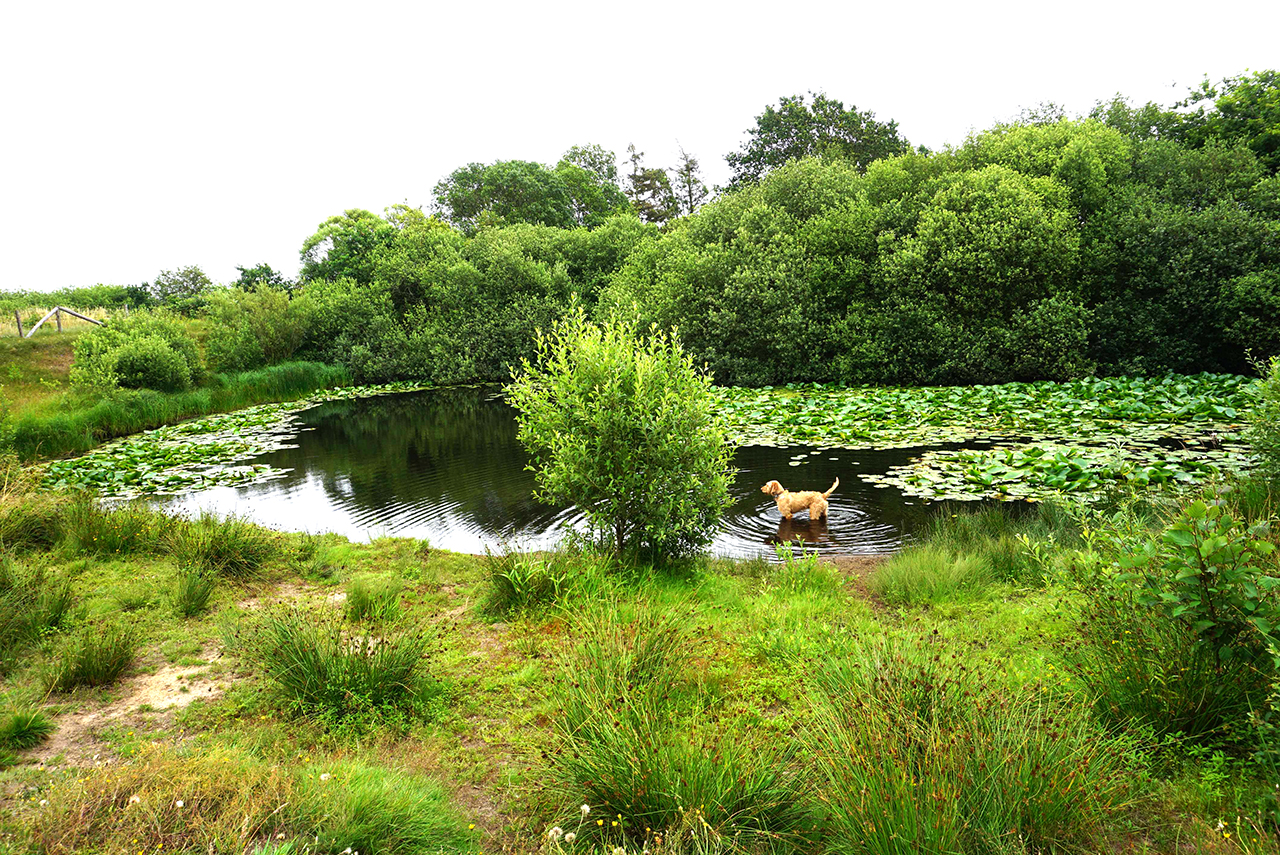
[(773, 488)]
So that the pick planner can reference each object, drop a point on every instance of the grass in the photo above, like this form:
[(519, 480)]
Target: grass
[(191, 592), (97, 655), (33, 603), (715, 706), (931, 574), (231, 547), (375, 599), (74, 421), (24, 727), (341, 679)]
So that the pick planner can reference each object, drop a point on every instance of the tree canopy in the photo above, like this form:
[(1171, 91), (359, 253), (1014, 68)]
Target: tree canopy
[(826, 128)]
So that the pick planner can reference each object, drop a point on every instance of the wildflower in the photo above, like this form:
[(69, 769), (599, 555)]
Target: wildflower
[(43, 802), (280, 836), (586, 809), (618, 850), (178, 802), (325, 776), (599, 822), (556, 833), (570, 837), (133, 800), (471, 827)]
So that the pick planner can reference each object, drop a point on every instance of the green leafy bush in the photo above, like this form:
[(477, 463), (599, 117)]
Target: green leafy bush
[(136, 352), (626, 428), (249, 329), (1264, 422)]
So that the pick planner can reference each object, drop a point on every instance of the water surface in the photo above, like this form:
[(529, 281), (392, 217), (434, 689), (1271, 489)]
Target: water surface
[(445, 465)]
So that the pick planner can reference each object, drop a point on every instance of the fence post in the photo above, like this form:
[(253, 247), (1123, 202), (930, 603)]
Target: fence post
[(58, 318), (126, 310), (17, 317)]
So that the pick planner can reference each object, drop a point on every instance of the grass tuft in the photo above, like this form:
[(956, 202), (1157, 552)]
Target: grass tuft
[(191, 592), (375, 599), (24, 727), (929, 574), (95, 656), (229, 547)]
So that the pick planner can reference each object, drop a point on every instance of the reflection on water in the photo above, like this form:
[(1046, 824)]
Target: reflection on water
[(445, 465)]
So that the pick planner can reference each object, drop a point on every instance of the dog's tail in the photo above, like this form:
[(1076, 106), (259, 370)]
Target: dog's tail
[(833, 489)]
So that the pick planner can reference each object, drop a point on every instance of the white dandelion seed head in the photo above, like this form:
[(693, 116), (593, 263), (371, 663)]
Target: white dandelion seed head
[(325, 776), (556, 833), (43, 802), (586, 809), (179, 803), (133, 800), (570, 837)]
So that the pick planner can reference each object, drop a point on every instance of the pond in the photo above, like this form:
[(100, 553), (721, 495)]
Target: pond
[(445, 465)]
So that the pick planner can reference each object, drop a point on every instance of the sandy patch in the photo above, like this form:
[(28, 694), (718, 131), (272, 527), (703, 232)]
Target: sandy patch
[(146, 701)]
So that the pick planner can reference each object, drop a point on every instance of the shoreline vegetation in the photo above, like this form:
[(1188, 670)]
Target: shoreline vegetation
[(1097, 670)]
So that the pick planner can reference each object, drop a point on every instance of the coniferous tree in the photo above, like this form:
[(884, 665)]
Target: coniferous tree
[(690, 191)]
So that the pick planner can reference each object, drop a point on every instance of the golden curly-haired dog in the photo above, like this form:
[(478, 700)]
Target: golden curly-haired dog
[(789, 503)]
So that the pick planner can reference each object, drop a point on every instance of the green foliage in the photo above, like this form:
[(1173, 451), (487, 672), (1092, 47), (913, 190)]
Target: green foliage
[(252, 328), (1146, 671), (375, 599), (523, 583), (231, 547), (923, 575), (345, 680), (635, 743), (795, 130), (649, 190), (181, 289), (33, 603), (1263, 434), (581, 190), (97, 655), (377, 811), (1211, 577), (145, 350), (30, 522), (89, 528), (914, 752), (625, 427), (24, 727), (344, 246), (191, 592)]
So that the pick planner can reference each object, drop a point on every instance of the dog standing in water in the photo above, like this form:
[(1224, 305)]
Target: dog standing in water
[(789, 503)]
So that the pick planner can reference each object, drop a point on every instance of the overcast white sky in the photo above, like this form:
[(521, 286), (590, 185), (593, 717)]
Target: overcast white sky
[(139, 137)]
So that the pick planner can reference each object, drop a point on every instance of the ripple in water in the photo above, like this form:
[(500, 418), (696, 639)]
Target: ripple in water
[(445, 465)]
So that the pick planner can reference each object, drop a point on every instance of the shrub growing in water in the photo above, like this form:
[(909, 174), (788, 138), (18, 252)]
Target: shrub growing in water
[(625, 427)]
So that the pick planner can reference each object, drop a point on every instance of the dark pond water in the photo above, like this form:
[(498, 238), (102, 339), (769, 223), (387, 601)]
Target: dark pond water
[(445, 465)]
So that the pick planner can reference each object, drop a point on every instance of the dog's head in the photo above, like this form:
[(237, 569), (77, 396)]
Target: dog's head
[(773, 488)]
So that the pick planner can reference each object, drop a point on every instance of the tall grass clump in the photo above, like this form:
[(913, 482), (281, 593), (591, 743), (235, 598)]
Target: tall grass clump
[(375, 599), (32, 604), (97, 655), (518, 582), (798, 572), (635, 740), (340, 678), (369, 809), (92, 529), (231, 547), (24, 727), (929, 574), (31, 520), (914, 752), (191, 592)]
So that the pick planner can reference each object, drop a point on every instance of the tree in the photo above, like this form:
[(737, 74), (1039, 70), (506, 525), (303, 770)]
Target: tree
[(344, 246), (1245, 110), (515, 190), (262, 274), (625, 427), (826, 129), (596, 159), (690, 192), (185, 283), (649, 190)]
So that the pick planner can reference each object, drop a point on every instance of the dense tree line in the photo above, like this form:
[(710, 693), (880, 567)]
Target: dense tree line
[(1137, 239)]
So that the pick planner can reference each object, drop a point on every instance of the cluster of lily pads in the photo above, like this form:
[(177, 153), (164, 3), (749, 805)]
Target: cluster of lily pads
[(204, 452), (1017, 440)]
